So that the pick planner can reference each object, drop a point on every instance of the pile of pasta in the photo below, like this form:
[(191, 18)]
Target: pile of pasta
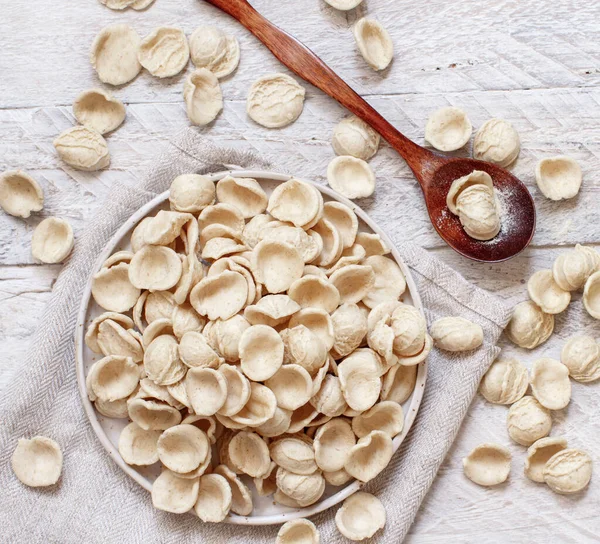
[(253, 339)]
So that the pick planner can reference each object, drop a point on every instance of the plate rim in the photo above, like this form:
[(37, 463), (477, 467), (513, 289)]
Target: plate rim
[(80, 329)]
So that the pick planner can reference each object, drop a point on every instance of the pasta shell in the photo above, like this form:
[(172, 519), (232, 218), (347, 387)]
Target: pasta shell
[(238, 390), (303, 489), (318, 321), (550, 383), (152, 415), (568, 471), (207, 390), (581, 355), (155, 268), (352, 136), (353, 282), (528, 421), (353, 255), (260, 407), (173, 494), (558, 178), (241, 497), (572, 268), (164, 52), (114, 54), (82, 149), (276, 265), (389, 281), (214, 498), (20, 194), (386, 416), (329, 400), (117, 258), (456, 334), (546, 293), (359, 375), (91, 335), (312, 270), (291, 385), (261, 352), (37, 462), (314, 292), (202, 96), (191, 193), (183, 448), (224, 336), (186, 319), (295, 201), (150, 390), (245, 194), (361, 516), (221, 296), (374, 43), (99, 110), (497, 141), (267, 485), (210, 48), (337, 478), (372, 243), (207, 424), (162, 362), (505, 382), (487, 464), (112, 289), (332, 243), (218, 247), (369, 456), (591, 295), (302, 417), (308, 243), (304, 348), (250, 454), (529, 326), (351, 177), (333, 442), (114, 339), (158, 327), (349, 329), (52, 240), (283, 105), (539, 453), (294, 455), (276, 425), (271, 310), (114, 378), (222, 214), (343, 219), (252, 229), (477, 177), (138, 446), (448, 129), (298, 531)]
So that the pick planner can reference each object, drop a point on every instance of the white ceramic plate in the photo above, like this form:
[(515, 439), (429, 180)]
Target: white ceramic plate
[(265, 512)]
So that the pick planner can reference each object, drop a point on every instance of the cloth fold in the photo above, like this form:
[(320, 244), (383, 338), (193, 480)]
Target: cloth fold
[(95, 502)]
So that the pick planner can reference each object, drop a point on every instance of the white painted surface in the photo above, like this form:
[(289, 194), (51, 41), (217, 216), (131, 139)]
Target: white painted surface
[(535, 63)]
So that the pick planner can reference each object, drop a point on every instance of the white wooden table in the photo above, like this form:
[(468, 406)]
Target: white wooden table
[(535, 63)]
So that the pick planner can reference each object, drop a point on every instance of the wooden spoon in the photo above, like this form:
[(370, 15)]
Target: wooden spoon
[(434, 172)]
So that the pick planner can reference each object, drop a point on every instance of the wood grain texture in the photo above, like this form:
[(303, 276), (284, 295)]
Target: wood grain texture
[(535, 63)]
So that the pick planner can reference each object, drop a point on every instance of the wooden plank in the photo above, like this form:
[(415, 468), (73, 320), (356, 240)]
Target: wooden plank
[(443, 47)]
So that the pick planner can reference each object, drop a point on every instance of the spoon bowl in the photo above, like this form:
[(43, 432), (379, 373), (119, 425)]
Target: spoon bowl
[(434, 172)]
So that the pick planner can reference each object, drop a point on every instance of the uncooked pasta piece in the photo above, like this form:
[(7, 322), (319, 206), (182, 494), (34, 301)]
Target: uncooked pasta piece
[(343, 5), (276, 265), (361, 516), (558, 178), (20, 194), (291, 385), (183, 448), (275, 100), (117, 4), (261, 352), (202, 96), (497, 141), (351, 177), (572, 268), (352, 136), (298, 531), (581, 355), (546, 293), (164, 52), (538, 455), (99, 110), (568, 471), (294, 454), (52, 240), (591, 295), (174, 494), (528, 421), (114, 54), (303, 489), (207, 390), (374, 43), (479, 212), (297, 202), (456, 334), (138, 446), (210, 48), (214, 498), (37, 462), (83, 149), (529, 326), (112, 289), (245, 194), (448, 129), (191, 193), (550, 383), (505, 382), (487, 464), (139, 5), (477, 177)]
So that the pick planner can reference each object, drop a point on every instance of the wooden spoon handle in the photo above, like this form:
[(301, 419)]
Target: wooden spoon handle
[(301, 60)]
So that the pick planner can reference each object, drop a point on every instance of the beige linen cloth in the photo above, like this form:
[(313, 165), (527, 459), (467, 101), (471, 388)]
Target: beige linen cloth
[(95, 502)]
